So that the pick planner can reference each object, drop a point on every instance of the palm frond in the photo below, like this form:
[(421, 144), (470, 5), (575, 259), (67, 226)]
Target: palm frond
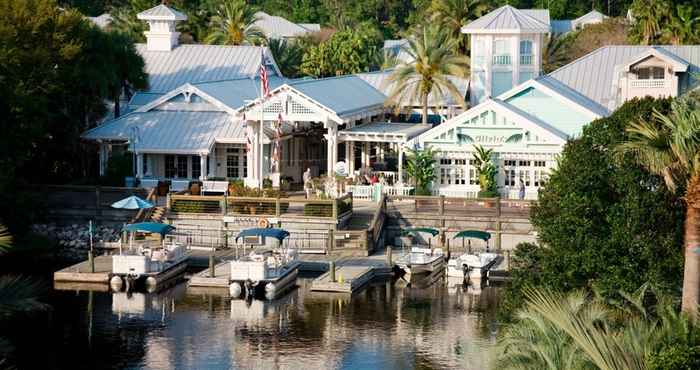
[(5, 239), (20, 294)]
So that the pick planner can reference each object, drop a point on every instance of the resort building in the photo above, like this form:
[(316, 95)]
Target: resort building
[(200, 117), (275, 27)]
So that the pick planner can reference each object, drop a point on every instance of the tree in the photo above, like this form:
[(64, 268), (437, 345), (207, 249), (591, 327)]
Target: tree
[(682, 26), (129, 69), (601, 222), (124, 19), (345, 52), (668, 145), (582, 331), (435, 59), (648, 15), (288, 56), (454, 14), (420, 166), (233, 25)]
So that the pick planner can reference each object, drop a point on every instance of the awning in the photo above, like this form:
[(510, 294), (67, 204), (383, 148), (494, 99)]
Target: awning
[(383, 132), (278, 234)]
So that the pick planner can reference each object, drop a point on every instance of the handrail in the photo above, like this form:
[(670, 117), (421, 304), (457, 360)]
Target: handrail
[(144, 214)]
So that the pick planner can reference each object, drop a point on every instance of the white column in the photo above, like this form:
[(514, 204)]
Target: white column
[(139, 165), (202, 167), (332, 138), (211, 168), (400, 180), (516, 59), (351, 157), (252, 157)]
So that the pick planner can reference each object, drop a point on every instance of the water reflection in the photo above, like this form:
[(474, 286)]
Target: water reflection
[(388, 325)]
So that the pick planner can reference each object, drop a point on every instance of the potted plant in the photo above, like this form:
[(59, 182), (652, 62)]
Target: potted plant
[(420, 167), (486, 171)]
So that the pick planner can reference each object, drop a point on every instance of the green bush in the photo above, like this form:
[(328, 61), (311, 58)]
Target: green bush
[(488, 194), (679, 357), (318, 210)]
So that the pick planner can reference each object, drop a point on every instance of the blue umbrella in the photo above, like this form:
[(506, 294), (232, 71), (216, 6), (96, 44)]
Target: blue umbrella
[(132, 202), (149, 227)]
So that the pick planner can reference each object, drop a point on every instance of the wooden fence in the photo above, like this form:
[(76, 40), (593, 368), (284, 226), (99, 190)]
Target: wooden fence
[(453, 206)]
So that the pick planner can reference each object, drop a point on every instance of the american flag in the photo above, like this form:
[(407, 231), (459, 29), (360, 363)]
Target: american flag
[(276, 149), (248, 136), (263, 77)]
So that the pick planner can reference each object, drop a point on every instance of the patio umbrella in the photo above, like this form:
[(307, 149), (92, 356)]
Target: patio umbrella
[(476, 234), (132, 202), (415, 230)]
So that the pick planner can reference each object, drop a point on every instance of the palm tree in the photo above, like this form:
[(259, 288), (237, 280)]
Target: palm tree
[(555, 53), (681, 28), (129, 74), (648, 15), (17, 294), (5, 239), (435, 59), (124, 19), (288, 56), (453, 14), (669, 146), (233, 24)]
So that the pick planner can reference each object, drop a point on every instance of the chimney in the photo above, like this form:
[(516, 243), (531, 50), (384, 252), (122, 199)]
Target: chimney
[(162, 20)]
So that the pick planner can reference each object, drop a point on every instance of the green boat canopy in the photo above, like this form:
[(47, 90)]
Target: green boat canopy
[(278, 234), (416, 230), (149, 227), (476, 234)]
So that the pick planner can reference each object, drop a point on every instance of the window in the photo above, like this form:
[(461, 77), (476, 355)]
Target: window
[(170, 166), (479, 50), (650, 73), (525, 76), (473, 177), (145, 164), (236, 163), (182, 166), (501, 54), (509, 168), (526, 52), (196, 166), (453, 171)]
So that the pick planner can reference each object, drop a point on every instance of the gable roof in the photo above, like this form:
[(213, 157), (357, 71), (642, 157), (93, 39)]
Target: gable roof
[(278, 27), (192, 63), (508, 19), (161, 13), (604, 62), (344, 95)]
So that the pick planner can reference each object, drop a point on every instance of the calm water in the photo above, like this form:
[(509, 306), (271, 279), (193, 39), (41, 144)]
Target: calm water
[(386, 326)]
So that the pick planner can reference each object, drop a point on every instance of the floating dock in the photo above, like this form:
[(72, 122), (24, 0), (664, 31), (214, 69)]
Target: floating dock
[(80, 274), (350, 278), (221, 278)]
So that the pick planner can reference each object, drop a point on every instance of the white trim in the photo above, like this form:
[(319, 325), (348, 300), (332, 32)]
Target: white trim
[(186, 89), (678, 66)]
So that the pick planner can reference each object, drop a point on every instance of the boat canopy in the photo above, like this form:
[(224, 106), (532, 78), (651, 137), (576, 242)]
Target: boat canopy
[(416, 230), (150, 227), (476, 234), (278, 234)]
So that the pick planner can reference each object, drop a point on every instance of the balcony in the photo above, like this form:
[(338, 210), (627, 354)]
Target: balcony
[(648, 84), (526, 60), (503, 59)]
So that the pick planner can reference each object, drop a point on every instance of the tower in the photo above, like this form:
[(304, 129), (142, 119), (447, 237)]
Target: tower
[(162, 20)]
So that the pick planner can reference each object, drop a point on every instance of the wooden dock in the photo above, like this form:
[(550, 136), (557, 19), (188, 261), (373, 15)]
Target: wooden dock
[(221, 278), (350, 278), (80, 272)]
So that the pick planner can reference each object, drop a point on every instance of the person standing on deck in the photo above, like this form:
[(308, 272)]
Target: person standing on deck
[(521, 194), (308, 185)]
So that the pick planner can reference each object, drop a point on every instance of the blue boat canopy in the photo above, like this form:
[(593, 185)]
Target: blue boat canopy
[(278, 234), (476, 234), (150, 227)]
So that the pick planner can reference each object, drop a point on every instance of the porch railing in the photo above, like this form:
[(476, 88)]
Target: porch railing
[(270, 207), (453, 206), (367, 192)]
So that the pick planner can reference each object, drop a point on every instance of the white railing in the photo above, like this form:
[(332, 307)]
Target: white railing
[(501, 59), (530, 193), (391, 177), (648, 84), (366, 192), (526, 59)]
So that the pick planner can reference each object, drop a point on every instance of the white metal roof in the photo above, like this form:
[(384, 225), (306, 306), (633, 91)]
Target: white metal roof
[(508, 19), (395, 48), (191, 63), (177, 132), (312, 27), (379, 81), (277, 27), (603, 63), (383, 131), (344, 95), (103, 20), (161, 13)]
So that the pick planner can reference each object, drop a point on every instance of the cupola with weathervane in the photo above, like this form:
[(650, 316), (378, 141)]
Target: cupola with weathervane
[(162, 21)]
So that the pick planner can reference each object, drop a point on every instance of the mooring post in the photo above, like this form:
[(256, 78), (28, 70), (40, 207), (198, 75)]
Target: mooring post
[(91, 261), (331, 271), (211, 264), (388, 256)]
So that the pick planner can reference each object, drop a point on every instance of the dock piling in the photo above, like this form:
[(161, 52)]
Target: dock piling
[(331, 270), (211, 265), (388, 256), (91, 261)]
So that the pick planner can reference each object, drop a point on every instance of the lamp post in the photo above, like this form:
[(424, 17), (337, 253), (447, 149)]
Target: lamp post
[(134, 140)]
